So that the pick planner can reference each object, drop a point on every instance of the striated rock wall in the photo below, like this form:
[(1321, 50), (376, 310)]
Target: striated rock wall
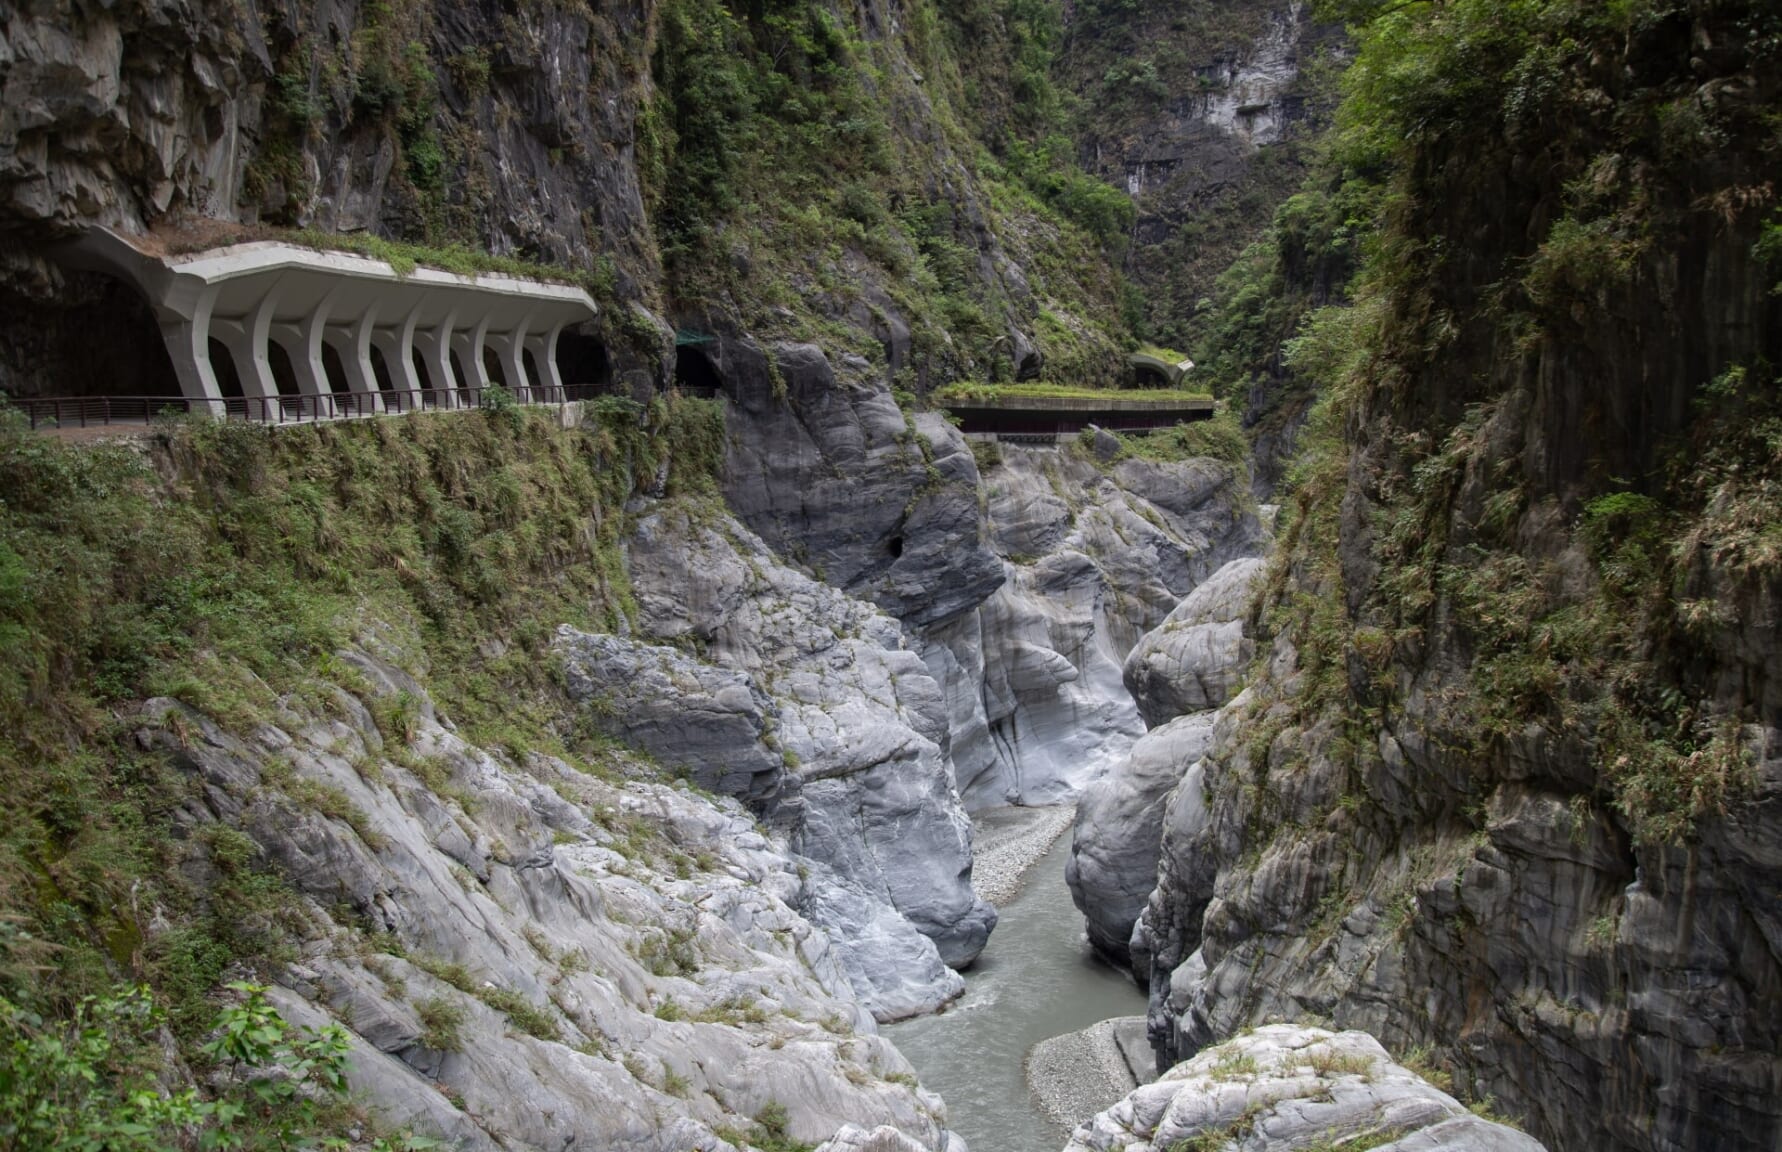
[(527, 954), (1205, 114), (806, 702), (1096, 556), (1508, 784), (1179, 673)]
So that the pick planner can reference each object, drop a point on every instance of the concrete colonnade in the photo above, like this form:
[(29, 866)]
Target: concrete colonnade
[(250, 297)]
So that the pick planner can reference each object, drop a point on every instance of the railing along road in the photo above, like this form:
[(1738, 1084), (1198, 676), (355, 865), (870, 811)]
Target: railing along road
[(97, 411)]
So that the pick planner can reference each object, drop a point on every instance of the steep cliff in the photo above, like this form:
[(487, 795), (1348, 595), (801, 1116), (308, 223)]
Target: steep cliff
[(1207, 114), (800, 171), (1506, 781), (334, 709), (1096, 550)]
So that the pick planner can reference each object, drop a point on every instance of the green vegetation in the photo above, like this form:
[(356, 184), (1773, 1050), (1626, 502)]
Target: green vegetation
[(92, 1080), (441, 1021), (785, 178), (224, 566), (1014, 393), (1675, 524), (1221, 438), (1128, 60), (770, 1133)]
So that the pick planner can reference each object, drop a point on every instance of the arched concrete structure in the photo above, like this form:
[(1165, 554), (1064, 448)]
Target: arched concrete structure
[(1172, 373), (248, 295)]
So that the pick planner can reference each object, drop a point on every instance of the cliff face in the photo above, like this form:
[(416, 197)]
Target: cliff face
[(812, 172), (1207, 114), (1507, 780)]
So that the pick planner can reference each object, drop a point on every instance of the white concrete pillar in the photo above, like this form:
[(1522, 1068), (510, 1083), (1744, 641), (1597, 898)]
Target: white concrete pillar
[(246, 339), (436, 351), (510, 347), (468, 343), (354, 346), (303, 341), (544, 354), (398, 346), (188, 345)]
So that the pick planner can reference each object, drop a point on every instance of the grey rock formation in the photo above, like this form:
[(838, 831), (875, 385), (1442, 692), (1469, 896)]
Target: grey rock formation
[(1119, 830), (882, 1139), (1194, 661), (830, 472), (710, 722), (671, 989), (846, 724), (1190, 663), (1282, 1088), (1095, 559)]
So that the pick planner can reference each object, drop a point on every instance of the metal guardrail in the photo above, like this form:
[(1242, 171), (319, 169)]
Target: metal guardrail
[(98, 411)]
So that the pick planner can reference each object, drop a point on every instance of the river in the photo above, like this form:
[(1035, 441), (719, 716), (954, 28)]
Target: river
[(1037, 978)]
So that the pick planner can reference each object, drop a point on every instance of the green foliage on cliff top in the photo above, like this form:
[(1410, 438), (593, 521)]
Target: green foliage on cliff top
[(96, 1082), (1012, 393)]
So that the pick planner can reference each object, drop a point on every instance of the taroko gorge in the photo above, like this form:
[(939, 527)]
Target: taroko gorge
[(891, 576)]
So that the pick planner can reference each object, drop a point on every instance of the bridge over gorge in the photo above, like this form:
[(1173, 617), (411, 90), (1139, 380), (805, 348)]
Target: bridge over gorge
[(395, 340), (1023, 417)]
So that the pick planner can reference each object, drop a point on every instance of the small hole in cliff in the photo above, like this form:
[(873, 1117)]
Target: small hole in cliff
[(895, 546), (695, 374)]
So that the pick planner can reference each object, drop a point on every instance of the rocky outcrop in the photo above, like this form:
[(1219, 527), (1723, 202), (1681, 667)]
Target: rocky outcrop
[(831, 473), (1509, 784), (1194, 660), (1096, 557), (525, 953), (710, 723), (1282, 1088), (1119, 831), (807, 699), (1206, 118), (1177, 673)]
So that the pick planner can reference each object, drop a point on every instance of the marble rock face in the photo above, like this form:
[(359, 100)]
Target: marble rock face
[(1195, 660), (803, 701), (1285, 1087), (1096, 556), (1191, 663), (673, 988)]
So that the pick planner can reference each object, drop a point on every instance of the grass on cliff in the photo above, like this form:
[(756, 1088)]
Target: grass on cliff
[(806, 170), (1014, 393), (1677, 555), (224, 565)]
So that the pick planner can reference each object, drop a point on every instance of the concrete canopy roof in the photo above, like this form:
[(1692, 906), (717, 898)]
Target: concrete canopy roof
[(250, 294), (244, 274)]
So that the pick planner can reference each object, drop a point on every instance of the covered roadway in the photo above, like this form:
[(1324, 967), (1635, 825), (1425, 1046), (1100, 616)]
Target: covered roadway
[(435, 333)]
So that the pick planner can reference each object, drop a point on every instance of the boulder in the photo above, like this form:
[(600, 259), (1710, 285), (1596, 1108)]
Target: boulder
[(1195, 660), (1119, 831), (1284, 1088)]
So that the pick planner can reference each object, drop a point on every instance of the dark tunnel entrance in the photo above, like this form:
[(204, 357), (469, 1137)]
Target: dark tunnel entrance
[(695, 374), (48, 346)]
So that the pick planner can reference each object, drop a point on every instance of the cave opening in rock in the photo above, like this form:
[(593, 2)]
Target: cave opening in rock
[(582, 362), (694, 372), (96, 336), (895, 546)]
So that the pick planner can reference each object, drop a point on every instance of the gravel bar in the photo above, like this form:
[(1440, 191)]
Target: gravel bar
[(1006, 842)]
